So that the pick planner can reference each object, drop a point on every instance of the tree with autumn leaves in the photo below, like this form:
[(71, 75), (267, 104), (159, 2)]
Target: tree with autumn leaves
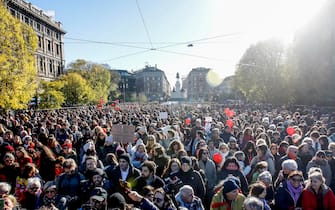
[(18, 73)]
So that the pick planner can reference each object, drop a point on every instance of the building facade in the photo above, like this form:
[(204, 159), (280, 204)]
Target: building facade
[(196, 85), (127, 85), (152, 82), (49, 56)]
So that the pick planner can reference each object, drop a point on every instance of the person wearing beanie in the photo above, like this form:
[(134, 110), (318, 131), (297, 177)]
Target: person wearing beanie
[(191, 177), (319, 160), (99, 179), (10, 170), (124, 172), (228, 197)]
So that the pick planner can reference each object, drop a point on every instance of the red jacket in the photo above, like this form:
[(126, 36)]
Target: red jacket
[(309, 199)]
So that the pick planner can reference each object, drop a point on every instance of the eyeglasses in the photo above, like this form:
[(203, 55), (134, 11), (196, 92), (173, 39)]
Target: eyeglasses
[(205, 153), (157, 200), (322, 156)]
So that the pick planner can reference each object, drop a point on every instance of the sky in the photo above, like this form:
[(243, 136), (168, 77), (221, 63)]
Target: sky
[(175, 35)]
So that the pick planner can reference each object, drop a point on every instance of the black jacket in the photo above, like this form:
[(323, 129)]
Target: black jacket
[(194, 179)]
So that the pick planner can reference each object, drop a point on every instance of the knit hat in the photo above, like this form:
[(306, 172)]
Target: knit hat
[(116, 200), (98, 171), (320, 153), (125, 157), (99, 194), (9, 155), (229, 185), (49, 185), (187, 160)]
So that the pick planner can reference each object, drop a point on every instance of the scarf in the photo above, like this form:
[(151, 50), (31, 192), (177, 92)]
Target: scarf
[(295, 192), (48, 201)]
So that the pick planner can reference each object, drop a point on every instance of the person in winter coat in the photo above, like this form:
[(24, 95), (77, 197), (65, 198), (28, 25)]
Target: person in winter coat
[(289, 193), (320, 161), (317, 195), (188, 176), (263, 155), (232, 168), (139, 156), (32, 198), (186, 198), (228, 198), (124, 172), (208, 166), (148, 178)]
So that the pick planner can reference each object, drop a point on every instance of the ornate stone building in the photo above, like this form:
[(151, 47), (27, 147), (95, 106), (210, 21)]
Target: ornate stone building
[(50, 60)]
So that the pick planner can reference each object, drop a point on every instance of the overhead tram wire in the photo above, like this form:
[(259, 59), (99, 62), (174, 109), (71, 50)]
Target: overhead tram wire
[(145, 26), (153, 49)]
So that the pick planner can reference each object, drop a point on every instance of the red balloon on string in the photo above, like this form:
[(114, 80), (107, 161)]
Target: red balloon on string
[(217, 158), (290, 131), (187, 121), (230, 123), (226, 111)]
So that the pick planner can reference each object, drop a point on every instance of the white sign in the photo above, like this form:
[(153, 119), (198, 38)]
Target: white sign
[(163, 115)]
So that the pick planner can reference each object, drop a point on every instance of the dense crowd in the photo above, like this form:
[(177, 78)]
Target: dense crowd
[(191, 157)]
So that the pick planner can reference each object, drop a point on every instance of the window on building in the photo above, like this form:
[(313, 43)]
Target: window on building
[(59, 68), (48, 31), (38, 27), (26, 20), (57, 50), (50, 66), (40, 42), (49, 45), (41, 64), (57, 36)]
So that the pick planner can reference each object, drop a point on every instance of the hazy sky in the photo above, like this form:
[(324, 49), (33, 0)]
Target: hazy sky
[(128, 34)]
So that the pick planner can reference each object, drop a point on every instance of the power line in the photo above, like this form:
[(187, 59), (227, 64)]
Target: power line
[(145, 26), (107, 43), (127, 55)]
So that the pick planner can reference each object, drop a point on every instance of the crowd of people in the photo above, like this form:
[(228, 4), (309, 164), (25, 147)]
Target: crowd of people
[(195, 157)]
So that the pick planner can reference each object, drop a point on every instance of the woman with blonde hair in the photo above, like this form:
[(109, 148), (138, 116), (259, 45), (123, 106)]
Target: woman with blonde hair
[(317, 195)]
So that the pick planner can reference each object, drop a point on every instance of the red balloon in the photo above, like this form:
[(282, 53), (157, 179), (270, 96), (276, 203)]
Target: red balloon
[(226, 111), (230, 123), (290, 131), (217, 158), (117, 108), (187, 121), (231, 113)]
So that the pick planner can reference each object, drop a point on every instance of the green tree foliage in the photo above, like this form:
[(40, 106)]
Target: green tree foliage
[(18, 74), (313, 58), (98, 77), (52, 95), (259, 74), (76, 89)]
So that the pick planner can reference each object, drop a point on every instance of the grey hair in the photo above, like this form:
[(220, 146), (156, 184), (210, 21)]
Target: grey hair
[(34, 180), (185, 188), (291, 147), (265, 176), (253, 203), (4, 186), (290, 165)]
